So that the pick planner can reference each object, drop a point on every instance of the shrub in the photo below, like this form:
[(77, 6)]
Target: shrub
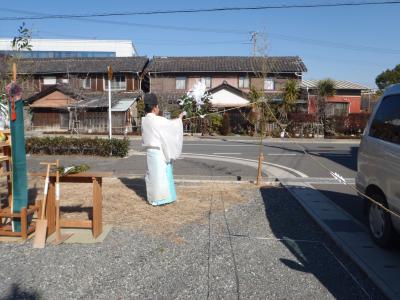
[(83, 146), (215, 121), (175, 113), (350, 124), (302, 117)]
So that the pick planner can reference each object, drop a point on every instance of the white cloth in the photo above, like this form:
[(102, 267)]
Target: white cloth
[(156, 177), (159, 132)]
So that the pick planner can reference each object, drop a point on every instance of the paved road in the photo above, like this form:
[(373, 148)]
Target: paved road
[(338, 157)]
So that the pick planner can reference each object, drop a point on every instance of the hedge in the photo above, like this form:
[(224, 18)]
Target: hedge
[(350, 124), (82, 146)]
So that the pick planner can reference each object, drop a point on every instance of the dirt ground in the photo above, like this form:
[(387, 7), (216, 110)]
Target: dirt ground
[(124, 203)]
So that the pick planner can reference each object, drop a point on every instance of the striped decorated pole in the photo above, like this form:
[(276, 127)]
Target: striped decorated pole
[(18, 152)]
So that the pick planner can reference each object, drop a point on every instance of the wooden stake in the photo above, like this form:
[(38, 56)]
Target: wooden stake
[(60, 238), (41, 225)]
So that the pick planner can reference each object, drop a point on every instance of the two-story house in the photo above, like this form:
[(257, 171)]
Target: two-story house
[(171, 77), (72, 92), (88, 74)]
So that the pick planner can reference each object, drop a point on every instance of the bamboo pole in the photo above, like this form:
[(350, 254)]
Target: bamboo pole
[(261, 149), (14, 72), (260, 164)]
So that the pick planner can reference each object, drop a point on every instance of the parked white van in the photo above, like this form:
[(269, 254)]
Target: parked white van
[(378, 173)]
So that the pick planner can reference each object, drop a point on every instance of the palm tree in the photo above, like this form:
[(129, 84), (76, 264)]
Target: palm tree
[(291, 93), (325, 89)]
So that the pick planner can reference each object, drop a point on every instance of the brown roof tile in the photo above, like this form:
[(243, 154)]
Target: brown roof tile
[(275, 64), (81, 65)]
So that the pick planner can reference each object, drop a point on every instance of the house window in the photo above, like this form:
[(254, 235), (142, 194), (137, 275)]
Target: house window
[(65, 80), (207, 80), (269, 84), (86, 83), (180, 83), (49, 81), (336, 109), (244, 82), (118, 83)]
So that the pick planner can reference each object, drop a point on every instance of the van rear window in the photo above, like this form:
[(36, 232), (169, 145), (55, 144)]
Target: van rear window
[(386, 123)]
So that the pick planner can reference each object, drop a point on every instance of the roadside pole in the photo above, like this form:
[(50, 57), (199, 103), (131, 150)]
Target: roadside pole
[(110, 73)]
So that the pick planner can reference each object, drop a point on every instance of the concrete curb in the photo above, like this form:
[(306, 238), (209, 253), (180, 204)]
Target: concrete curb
[(379, 265), (270, 181)]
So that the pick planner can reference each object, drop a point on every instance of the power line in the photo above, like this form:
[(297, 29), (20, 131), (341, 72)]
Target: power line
[(200, 10), (331, 44), (146, 25), (289, 38)]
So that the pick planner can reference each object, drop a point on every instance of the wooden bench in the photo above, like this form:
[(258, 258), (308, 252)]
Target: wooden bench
[(96, 179)]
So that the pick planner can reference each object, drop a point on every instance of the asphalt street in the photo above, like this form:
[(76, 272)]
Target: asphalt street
[(215, 159), (336, 156)]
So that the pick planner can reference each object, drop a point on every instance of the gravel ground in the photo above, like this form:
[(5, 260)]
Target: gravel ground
[(266, 247)]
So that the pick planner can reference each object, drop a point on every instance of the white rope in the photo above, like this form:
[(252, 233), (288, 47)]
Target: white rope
[(335, 175)]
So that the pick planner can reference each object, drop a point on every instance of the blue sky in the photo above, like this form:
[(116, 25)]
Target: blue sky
[(344, 43)]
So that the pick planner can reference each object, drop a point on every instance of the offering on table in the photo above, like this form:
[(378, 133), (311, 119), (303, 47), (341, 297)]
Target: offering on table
[(73, 169)]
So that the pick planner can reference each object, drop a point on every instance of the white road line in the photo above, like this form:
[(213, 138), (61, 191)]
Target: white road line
[(282, 154), (221, 145), (243, 160), (227, 153)]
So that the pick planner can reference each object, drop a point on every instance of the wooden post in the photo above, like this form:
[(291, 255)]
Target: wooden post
[(24, 223), (97, 221), (260, 165), (51, 207), (38, 203)]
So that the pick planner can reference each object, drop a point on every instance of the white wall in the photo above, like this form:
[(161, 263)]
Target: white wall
[(224, 98), (123, 48)]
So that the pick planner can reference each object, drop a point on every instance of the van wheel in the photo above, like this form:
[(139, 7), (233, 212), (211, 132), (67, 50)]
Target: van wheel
[(380, 224)]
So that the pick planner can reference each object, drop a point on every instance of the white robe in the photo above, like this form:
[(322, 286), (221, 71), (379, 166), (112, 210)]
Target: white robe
[(162, 139)]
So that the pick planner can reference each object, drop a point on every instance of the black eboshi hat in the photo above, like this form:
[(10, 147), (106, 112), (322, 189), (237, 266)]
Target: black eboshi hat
[(150, 99)]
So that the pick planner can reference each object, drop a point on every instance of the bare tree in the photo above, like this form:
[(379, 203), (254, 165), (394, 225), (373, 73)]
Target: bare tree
[(21, 42)]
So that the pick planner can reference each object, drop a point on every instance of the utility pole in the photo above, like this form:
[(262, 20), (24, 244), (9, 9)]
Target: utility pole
[(110, 74), (254, 39)]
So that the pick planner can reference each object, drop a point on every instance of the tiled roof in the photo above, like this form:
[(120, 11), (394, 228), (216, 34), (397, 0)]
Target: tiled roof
[(123, 104), (63, 88), (96, 100), (339, 85), (81, 65), (86, 99), (274, 64)]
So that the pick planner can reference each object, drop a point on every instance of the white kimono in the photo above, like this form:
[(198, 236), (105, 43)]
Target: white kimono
[(162, 139)]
